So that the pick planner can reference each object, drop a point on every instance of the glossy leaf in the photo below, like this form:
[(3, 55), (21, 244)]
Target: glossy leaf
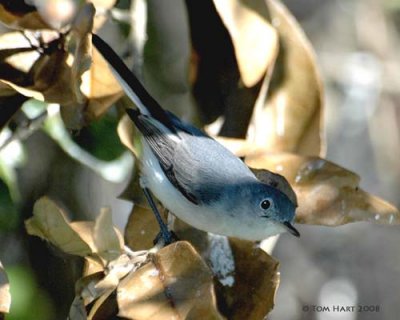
[(291, 117), (100, 87), (142, 228), (108, 241), (19, 15), (245, 277), (327, 193), (175, 284), (68, 73), (256, 280), (218, 87), (49, 223), (254, 39), (83, 238)]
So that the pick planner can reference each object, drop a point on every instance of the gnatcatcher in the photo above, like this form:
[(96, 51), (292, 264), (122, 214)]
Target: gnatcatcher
[(195, 177)]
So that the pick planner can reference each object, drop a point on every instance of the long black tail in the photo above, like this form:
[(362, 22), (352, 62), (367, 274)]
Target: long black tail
[(131, 85)]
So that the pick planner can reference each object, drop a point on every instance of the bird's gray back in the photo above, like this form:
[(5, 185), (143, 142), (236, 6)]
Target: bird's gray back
[(205, 167)]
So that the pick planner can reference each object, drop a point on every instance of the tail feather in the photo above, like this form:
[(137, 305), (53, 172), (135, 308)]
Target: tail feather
[(131, 85)]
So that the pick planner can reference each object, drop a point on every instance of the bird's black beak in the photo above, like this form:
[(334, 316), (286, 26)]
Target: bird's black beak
[(291, 229)]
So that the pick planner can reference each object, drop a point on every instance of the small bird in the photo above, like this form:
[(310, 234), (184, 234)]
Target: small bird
[(194, 176)]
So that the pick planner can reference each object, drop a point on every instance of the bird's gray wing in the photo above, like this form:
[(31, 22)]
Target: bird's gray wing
[(206, 168), (197, 165), (163, 147)]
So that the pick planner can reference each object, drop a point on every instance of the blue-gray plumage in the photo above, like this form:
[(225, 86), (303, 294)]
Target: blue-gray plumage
[(194, 176)]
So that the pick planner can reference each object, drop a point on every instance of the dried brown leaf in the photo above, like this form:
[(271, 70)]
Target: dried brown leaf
[(175, 284), (103, 307), (290, 120), (91, 266), (254, 39), (5, 296), (80, 36), (19, 15), (142, 228), (68, 73), (126, 132), (218, 85), (85, 231), (101, 236), (93, 289), (52, 77), (46, 77), (256, 280), (109, 243), (49, 223), (85, 287), (198, 239), (93, 78), (100, 87), (327, 193), (82, 238)]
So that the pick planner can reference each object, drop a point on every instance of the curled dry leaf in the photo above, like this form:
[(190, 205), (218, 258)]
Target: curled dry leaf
[(217, 82), (109, 242), (142, 228), (18, 14), (290, 119), (49, 223), (327, 193), (250, 265), (254, 39), (176, 284), (96, 292), (256, 280), (5, 296), (93, 78), (46, 77), (67, 73), (100, 87), (77, 238)]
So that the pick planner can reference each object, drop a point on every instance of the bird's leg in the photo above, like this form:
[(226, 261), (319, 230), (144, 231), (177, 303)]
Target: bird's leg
[(164, 232)]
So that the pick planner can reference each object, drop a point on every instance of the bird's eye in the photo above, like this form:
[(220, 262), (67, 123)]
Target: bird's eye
[(265, 204)]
